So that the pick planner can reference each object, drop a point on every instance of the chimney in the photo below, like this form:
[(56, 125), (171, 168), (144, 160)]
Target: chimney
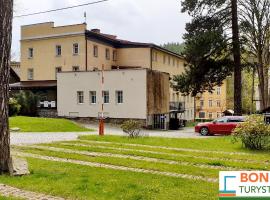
[(95, 30)]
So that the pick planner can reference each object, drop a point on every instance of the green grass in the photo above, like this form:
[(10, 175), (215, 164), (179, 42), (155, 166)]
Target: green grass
[(82, 182), (33, 124), (74, 181), (9, 198)]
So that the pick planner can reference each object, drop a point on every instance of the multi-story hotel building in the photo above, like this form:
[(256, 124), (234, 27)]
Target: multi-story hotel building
[(211, 105), (47, 52)]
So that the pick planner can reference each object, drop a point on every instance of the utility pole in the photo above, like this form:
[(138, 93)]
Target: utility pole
[(101, 118)]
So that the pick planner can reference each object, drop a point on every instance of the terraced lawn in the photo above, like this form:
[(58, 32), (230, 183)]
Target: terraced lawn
[(37, 124), (115, 167)]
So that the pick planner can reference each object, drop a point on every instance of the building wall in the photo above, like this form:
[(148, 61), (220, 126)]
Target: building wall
[(173, 65), (134, 57), (131, 82), (214, 109), (158, 85)]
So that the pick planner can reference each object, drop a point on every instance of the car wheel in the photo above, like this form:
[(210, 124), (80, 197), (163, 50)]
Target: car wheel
[(204, 131)]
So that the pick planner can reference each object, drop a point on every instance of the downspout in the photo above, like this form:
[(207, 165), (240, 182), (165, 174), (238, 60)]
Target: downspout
[(86, 53)]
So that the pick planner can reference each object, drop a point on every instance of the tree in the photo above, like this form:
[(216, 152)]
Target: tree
[(174, 47), (6, 15), (255, 26), (212, 38)]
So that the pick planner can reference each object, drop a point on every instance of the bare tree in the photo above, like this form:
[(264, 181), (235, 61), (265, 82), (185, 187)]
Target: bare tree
[(6, 15), (255, 23)]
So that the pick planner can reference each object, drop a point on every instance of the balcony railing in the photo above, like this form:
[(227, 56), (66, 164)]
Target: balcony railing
[(47, 104), (177, 106)]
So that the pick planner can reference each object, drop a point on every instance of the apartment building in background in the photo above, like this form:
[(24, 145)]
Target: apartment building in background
[(211, 105), (48, 52)]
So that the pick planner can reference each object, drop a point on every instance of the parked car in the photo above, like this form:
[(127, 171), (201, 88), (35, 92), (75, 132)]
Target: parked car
[(224, 126)]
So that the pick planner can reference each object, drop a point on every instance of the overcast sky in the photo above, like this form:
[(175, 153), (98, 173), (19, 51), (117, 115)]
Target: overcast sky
[(155, 21)]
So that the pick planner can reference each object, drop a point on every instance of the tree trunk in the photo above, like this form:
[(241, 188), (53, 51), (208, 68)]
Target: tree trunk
[(237, 60), (6, 15)]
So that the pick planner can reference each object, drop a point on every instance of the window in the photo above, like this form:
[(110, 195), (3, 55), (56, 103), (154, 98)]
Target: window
[(114, 55), (75, 68), (218, 115), (169, 60), (95, 51), (202, 103), (58, 50), (218, 103), (173, 62), (106, 97), (57, 70), (80, 97), (75, 49), (201, 115), (93, 97), (30, 53), (221, 120), (154, 56), (107, 53), (210, 115), (177, 63), (210, 103), (119, 97), (164, 59), (30, 74), (218, 91)]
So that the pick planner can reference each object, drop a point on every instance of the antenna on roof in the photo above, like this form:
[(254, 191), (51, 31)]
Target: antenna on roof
[(85, 17)]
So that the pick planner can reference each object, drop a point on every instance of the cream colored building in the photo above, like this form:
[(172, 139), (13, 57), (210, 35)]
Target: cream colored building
[(47, 50), (211, 105)]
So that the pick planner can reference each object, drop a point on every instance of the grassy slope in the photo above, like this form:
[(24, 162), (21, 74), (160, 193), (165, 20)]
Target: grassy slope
[(82, 182), (32, 124)]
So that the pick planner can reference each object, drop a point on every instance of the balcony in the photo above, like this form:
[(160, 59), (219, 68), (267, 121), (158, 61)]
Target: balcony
[(177, 106)]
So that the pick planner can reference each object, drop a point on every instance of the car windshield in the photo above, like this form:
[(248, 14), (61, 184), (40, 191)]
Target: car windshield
[(221, 120)]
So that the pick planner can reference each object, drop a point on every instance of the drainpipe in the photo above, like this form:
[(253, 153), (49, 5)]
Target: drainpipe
[(86, 53)]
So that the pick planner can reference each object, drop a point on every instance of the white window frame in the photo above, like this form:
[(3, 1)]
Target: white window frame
[(91, 95), (95, 51), (80, 94), (114, 55), (30, 74), (104, 96), (107, 54), (219, 91), (117, 92), (74, 49), (218, 103), (57, 47), (210, 103), (30, 53)]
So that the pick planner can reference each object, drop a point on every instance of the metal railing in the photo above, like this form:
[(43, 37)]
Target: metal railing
[(177, 106)]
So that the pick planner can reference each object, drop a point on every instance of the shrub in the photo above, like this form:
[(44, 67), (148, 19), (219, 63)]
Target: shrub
[(28, 102), (13, 107), (132, 128), (253, 133)]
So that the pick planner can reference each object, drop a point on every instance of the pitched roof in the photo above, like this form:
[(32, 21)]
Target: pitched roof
[(112, 40)]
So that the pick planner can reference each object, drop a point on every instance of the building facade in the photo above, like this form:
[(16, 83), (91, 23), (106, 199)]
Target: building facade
[(47, 50), (211, 105)]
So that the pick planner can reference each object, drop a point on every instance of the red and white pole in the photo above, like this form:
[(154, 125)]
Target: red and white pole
[(101, 119)]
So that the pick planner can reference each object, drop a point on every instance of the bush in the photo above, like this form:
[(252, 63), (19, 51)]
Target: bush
[(132, 128), (253, 133), (28, 102), (13, 107)]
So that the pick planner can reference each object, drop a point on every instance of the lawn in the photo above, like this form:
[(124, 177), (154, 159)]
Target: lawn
[(203, 158), (33, 124)]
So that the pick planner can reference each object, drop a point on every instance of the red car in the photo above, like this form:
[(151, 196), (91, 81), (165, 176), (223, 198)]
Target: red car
[(224, 126)]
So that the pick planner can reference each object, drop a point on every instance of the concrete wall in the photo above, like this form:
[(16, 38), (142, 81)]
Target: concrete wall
[(131, 82)]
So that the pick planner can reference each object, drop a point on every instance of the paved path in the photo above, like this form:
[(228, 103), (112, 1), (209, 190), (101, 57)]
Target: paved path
[(9, 191), (37, 138)]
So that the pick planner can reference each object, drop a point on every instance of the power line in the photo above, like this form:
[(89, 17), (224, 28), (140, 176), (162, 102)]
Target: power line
[(59, 9)]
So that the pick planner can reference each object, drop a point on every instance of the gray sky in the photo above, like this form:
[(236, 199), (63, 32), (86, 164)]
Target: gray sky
[(156, 21)]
